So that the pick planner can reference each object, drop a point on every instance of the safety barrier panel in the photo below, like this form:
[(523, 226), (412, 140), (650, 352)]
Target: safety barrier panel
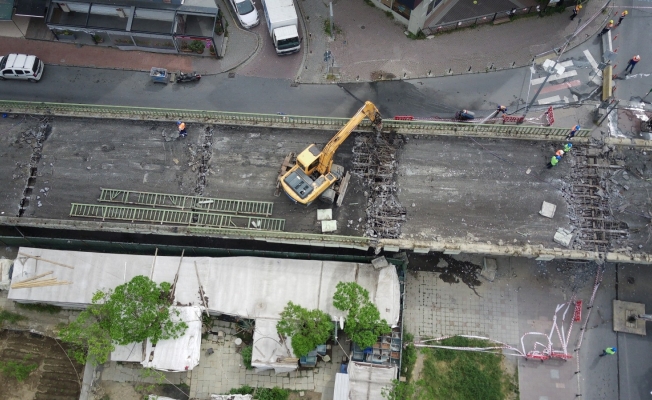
[(419, 127)]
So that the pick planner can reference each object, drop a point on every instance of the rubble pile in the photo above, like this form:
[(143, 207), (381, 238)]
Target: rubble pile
[(34, 139), (592, 195), (200, 158), (374, 161)]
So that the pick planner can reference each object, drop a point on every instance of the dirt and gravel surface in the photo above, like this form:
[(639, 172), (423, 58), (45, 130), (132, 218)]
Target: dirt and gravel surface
[(57, 378)]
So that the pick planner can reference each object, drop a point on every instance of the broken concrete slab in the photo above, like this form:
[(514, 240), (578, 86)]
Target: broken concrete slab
[(380, 262), (563, 236), (548, 209), (623, 311), (328, 226), (324, 214), (489, 268)]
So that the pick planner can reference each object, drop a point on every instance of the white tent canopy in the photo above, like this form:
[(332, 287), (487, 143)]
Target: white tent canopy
[(241, 286), (269, 352)]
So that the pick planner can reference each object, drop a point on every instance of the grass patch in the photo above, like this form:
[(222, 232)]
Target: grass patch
[(419, 36), (10, 317), (369, 3), (389, 14), (246, 356), (327, 27), (462, 375), (39, 307), (409, 357), (275, 393), (18, 370)]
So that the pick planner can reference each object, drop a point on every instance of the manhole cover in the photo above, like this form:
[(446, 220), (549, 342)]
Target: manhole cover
[(362, 27), (231, 74), (631, 280)]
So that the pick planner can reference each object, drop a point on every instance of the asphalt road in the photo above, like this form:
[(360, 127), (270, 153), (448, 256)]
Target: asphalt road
[(421, 97)]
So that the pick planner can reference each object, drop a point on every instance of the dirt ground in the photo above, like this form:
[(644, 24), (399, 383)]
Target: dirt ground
[(56, 377)]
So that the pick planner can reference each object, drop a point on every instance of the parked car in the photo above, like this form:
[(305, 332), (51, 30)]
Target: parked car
[(246, 12), (21, 66)]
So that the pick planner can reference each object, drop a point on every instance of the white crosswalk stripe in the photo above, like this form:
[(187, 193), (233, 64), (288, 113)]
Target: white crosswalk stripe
[(553, 78)]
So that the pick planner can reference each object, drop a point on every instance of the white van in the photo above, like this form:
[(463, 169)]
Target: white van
[(21, 66)]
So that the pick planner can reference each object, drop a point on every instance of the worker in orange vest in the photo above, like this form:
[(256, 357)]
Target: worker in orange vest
[(622, 17), (632, 63), (576, 9), (182, 129), (607, 28)]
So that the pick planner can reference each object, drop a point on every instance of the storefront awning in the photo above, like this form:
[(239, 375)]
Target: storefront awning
[(6, 9), (30, 8)]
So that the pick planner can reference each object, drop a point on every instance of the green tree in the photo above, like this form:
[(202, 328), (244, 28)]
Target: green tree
[(363, 324), (133, 312), (307, 328)]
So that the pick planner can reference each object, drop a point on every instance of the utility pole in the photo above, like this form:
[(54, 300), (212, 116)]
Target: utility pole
[(648, 93)]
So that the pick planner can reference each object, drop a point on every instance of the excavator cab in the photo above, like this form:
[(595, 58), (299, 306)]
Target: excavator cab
[(313, 175)]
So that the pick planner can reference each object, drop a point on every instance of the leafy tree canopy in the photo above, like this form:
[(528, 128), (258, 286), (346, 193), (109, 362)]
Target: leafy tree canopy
[(133, 312), (363, 324), (307, 328)]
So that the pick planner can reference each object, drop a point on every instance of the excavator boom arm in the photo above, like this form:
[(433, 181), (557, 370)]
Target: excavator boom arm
[(370, 111)]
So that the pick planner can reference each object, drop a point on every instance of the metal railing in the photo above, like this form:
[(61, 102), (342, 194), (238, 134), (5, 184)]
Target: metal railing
[(183, 202), (175, 217), (420, 127)]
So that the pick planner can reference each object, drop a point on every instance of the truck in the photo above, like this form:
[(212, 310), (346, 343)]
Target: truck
[(283, 24), (312, 175)]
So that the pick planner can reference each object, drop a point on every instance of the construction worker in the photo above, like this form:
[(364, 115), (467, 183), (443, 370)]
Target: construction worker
[(622, 17), (568, 147), (573, 131), (632, 63), (607, 28), (501, 109), (576, 9), (553, 161), (608, 351), (560, 153), (182, 129)]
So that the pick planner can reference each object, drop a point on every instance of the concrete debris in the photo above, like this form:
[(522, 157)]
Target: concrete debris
[(35, 140), (548, 209), (374, 161), (326, 215), (328, 226), (489, 269), (201, 160), (592, 194), (380, 262), (563, 236)]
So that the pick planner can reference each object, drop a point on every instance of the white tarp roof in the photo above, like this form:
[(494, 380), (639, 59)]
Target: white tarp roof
[(341, 391), (366, 381), (250, 287), (269, 352), (182, 353), (132, 352)]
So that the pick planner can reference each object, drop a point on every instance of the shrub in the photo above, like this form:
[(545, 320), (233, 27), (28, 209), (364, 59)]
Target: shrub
[(19, 370), (246, 356)]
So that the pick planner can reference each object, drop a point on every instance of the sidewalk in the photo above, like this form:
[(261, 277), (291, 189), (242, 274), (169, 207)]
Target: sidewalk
[(368, 46)]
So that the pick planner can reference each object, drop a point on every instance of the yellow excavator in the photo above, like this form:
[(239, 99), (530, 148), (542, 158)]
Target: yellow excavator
[(314, 175)]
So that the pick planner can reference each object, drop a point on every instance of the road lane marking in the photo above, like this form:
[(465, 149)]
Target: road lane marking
[(592, 61), (565, 75), (548, 100)]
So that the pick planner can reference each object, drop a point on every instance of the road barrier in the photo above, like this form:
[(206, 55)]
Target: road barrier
[(419, 127)]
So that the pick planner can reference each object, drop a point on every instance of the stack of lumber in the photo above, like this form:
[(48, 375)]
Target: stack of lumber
[(36, 281)]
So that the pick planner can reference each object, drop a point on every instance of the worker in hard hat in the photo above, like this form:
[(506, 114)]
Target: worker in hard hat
[(607, 28), (568, 147), (553, 161), (632, 63), (572, 132), (182, 129), (560, 153), (622, 17), (576, 9)]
